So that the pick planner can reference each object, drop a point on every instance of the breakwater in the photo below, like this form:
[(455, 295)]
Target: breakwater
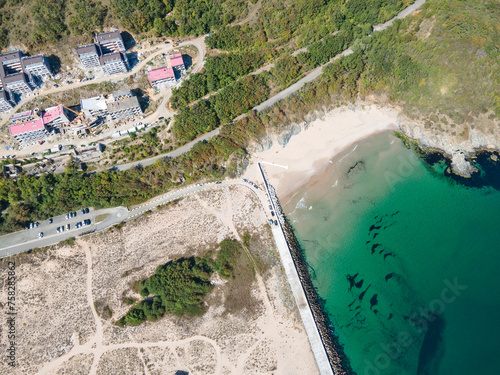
[(327, 352), (337, 359)]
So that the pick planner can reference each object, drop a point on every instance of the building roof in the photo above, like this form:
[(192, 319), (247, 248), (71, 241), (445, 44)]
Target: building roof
[(28, 60), (96, 104), (108, 36), (123, 104), (52, 113), (120, 94), (14, 78), (20, 115), (10, 56), (4, 95), (111, 57), (88, 48), (160, 73), (176, 60), (26, 127)]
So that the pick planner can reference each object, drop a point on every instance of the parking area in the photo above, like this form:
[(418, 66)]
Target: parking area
[(52, 226)]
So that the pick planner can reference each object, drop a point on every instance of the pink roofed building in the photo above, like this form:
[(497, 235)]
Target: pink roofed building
[(161, 77), (54, 117), (20, 117), (29, 131), (177, 63)]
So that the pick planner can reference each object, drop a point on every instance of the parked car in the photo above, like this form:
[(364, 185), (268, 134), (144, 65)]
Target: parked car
[(68, 226), (67, 216), (51, 221), (40, 235), (87, 210), (83, 211)]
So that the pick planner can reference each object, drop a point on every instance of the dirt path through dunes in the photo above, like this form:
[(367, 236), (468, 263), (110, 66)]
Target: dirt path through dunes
[(268, 320), (95, 344)]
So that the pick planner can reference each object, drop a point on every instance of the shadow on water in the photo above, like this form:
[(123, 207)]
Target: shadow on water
[(488, 174), (432, 350)]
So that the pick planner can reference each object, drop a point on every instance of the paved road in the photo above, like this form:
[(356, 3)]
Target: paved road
[(21, 241), (18, 242), (177, 152), (268, 103), (404, 13), (199, 43)]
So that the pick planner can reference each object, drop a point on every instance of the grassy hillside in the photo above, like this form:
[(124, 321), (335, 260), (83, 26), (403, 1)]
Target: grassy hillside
[(38, 23), (446, 60)]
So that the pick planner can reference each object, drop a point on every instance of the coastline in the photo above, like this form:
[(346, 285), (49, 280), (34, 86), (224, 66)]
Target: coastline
[(307, 153), (298, 160)]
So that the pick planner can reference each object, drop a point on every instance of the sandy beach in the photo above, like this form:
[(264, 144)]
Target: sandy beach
[(308, 153)]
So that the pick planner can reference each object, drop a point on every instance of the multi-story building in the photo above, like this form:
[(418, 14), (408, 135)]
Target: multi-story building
[(30, 131), (161, 77), (89, 55), (11, 62), (113, 63), (54, 117), (18, 118), (37, 67), (120, 104), (123, 104), (110, 42), (16, 83), (94, 107), (107, 53), (18, 73), (176, 63), (5, 102)]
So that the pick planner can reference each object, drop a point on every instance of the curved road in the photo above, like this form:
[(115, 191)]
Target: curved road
[(199, 43), (18, 242), (269, 102)]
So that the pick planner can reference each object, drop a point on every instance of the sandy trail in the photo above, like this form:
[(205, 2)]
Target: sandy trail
[(95, 344)]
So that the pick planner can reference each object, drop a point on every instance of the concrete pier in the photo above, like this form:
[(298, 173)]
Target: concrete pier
[(299, 294)]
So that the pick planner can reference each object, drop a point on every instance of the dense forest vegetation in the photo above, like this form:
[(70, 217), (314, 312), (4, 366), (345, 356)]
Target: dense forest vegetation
[(231, 101), (40, 22), (179, 287), (220, 70)]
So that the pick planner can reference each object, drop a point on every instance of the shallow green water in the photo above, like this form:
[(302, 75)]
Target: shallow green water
[(407, 260)]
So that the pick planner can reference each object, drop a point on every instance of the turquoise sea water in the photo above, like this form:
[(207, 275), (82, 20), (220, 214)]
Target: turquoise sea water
[(406, 259)]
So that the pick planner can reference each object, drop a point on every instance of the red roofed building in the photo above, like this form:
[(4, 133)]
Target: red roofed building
[(161, 77), (54, 117), (177, 63), (29, 131)]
